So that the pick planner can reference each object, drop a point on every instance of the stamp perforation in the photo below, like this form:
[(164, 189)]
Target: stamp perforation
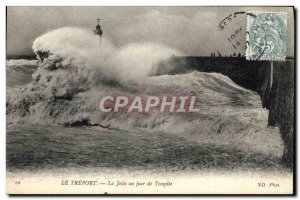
[(262, 57)]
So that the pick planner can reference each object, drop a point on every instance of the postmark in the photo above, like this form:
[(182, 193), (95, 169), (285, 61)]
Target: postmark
[(235, 32), (266, 36), (231, 17)]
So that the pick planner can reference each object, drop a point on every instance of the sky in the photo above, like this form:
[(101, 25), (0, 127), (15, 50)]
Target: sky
[(192, 30)]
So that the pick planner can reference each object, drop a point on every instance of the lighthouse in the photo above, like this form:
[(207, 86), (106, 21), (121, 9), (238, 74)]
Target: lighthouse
[(98, 30)]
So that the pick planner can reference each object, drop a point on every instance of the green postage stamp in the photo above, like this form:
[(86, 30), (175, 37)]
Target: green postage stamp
[(266, 36)]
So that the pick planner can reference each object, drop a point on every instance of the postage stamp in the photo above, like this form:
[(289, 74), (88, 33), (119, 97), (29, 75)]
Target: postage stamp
[(266, 36)]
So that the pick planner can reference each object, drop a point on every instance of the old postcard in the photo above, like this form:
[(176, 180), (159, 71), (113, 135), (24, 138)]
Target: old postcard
[(150, 100)]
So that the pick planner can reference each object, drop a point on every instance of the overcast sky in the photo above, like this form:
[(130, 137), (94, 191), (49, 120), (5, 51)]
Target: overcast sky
[(192, 30)]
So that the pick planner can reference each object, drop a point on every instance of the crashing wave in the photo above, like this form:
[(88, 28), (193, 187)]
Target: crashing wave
[(76, 69), (21, 62)]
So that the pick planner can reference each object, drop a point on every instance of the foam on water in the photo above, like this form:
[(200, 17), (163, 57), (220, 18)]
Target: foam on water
[(76, 69)]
